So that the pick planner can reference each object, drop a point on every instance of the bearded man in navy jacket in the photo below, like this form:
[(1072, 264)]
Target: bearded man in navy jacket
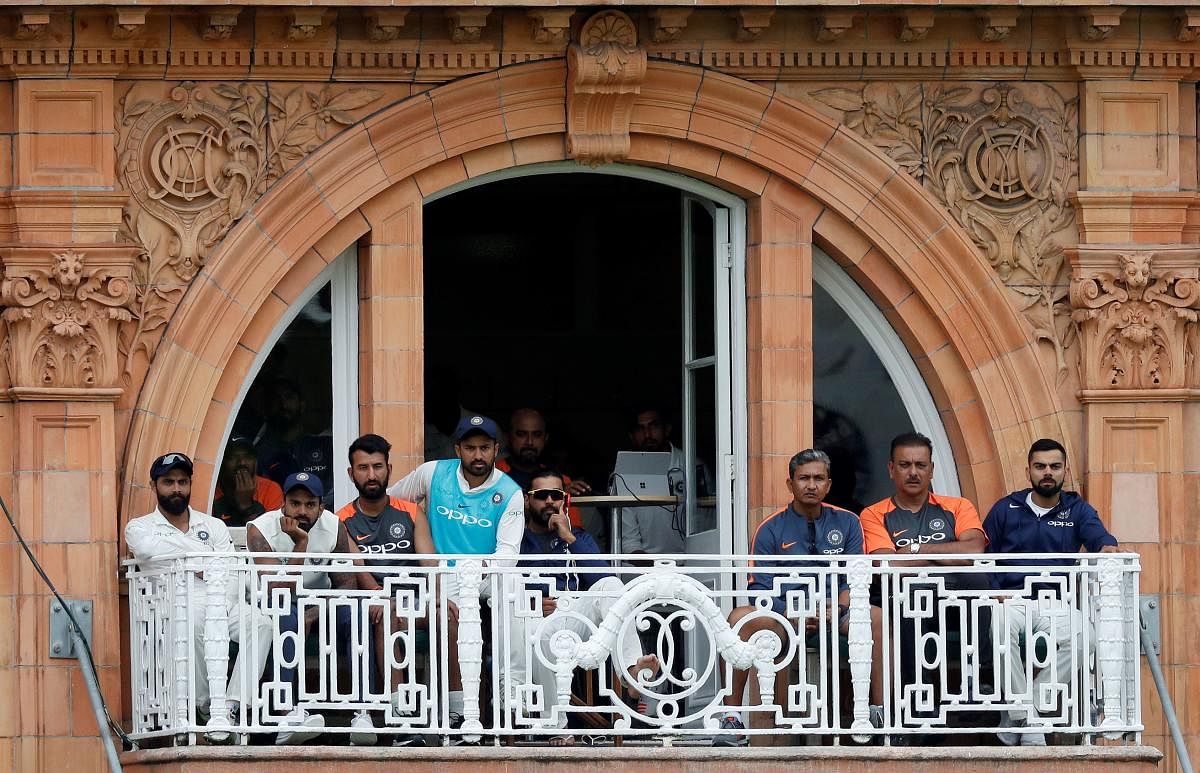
[(1039, 519)]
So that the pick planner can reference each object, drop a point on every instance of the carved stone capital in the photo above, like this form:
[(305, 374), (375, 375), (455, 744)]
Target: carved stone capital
[(1137, 316), (668, 23), (829, 26), (1099, 22), (995, 24), (1187, 25), (466, 24), (63, 308), (605, 70), (303, 22), (752, 22), (125, 22), (551, 25), (915, 24), (31, 24), (384, 24), (218, 23)]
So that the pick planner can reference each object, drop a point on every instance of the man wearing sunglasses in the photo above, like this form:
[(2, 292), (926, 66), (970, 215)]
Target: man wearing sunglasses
[(803, 534), (548, 532)]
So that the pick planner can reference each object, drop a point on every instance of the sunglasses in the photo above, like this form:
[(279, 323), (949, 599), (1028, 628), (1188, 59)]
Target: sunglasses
[(553, 494)]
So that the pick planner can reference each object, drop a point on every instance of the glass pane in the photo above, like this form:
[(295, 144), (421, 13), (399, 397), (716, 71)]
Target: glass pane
[(702, 280), (702, 511), (284, 423), (857, 409)]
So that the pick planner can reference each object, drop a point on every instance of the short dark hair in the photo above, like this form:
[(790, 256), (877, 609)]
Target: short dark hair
[(641, 408), (1045, 444), (807, 456), (546, 472), (909, 440), (370, 444)]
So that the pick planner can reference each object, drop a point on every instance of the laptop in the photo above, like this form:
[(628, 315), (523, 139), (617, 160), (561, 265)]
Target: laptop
[(642, 474)]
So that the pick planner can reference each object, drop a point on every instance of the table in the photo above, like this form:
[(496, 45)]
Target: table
[(618, 501)]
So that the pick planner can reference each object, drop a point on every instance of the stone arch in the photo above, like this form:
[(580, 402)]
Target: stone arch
[(904, 249)]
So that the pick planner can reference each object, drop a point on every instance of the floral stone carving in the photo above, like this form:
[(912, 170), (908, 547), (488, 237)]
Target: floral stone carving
[(195, 163), (1003, 159), (63, 311), (605, 70), (1135, 323)]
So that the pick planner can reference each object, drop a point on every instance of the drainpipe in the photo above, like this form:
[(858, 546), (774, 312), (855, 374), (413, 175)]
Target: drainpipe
[(1164, 697)]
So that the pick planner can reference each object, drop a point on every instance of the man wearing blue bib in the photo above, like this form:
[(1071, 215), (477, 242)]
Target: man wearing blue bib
[(473, 509)]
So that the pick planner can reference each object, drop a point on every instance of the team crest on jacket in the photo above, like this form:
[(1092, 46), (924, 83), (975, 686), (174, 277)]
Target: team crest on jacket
[(397, 531), (937, 524), (202, 536), (834, 537), (496, 498)]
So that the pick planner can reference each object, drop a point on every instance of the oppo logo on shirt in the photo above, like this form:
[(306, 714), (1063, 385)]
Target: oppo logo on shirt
[(387, 547), (924, 539), (466, 518), (1060, 523), (833, 551)]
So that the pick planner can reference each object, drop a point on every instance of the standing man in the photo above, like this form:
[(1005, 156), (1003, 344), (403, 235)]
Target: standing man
[(242, 494), (302, 526), (173, 529), (800, 535), (527, 439), (916, 521), (1039, 519), (548, 531), (388, 532), (473, 509)]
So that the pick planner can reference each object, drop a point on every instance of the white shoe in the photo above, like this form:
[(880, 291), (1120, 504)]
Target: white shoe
[(1015, 739), (363, 728), (307, 727)]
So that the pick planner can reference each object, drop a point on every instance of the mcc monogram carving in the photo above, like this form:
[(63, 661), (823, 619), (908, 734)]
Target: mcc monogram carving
[(195, 163), (1003, 159)]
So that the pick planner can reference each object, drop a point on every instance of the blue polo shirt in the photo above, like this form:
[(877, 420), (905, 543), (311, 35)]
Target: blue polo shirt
[(835, 532)]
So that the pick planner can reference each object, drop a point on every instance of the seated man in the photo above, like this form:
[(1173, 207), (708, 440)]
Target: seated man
[(1039, 519), (388, 531), (527, 439), (916, 521), (242, 494), (808, 529), (301, 527), (173, 529), (549, 531)]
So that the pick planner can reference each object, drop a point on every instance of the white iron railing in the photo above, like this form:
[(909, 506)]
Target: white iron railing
[(949, 664)]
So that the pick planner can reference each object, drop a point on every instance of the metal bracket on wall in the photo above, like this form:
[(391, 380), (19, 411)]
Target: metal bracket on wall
[(1150, 609), (62, 643)]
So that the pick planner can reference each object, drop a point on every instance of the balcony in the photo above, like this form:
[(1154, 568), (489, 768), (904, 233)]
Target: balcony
[(949, 657)]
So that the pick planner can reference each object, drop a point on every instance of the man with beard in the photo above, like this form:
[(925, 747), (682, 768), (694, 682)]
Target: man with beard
[(174, 529), (302, 526), (1039, 519), (474, 509), (242, 494), (389, 530), (527, 439), (548, 531)]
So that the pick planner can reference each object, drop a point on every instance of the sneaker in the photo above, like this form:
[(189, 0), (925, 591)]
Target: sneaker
[(408, 739), (729, 734), (456, 723), (362, 729), (222, 732), (1021, 739), (307, 727)]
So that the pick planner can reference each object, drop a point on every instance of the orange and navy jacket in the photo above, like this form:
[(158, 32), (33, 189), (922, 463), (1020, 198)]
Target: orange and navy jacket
[(504, 466), (835, 532), (888, 526)]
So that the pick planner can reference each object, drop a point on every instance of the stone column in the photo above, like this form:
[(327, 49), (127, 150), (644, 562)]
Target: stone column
[(392, 325), (1134, 299), (67, 287)]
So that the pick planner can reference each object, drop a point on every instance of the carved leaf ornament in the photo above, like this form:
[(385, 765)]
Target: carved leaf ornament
[(1003, 159), (194, 164)]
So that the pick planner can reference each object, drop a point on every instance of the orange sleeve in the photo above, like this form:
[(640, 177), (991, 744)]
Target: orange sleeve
[(875, 535), (573, 512), (966, 517), (268, 494)]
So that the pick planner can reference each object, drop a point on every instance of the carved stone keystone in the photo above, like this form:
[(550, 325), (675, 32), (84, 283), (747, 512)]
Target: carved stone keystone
[(605, 70)]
